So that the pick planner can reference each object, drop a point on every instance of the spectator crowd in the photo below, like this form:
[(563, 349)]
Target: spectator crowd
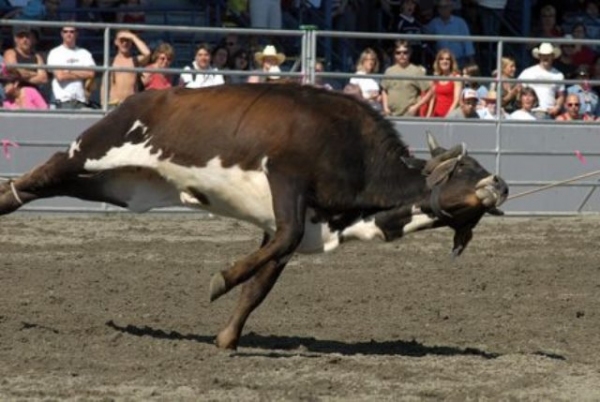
[(436, 79)]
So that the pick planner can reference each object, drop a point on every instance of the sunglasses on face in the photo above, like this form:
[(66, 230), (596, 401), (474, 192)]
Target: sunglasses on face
[(401, 52), (573, 104)]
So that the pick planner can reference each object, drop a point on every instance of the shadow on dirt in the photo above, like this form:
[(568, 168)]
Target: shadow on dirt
[(291, 343)]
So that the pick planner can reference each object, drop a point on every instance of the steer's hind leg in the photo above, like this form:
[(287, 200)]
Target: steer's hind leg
[(290, 209), (41, 182)]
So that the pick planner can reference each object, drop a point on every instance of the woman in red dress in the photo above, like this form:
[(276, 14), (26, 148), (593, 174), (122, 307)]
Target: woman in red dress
[(444, 94)]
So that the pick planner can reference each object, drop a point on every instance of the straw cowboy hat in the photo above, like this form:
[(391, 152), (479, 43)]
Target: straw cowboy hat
[(491, 96), (269, 51), (546, 49)]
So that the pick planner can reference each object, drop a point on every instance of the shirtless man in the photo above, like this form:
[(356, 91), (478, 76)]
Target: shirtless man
[(123, 84)]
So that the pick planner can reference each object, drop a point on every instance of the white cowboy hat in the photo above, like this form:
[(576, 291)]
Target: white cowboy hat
[(269, 51), (545, 49)]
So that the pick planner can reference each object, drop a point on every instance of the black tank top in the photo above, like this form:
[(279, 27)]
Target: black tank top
[(26, 59)]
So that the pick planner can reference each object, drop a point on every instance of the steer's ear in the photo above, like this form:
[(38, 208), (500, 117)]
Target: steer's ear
[(434, 147)]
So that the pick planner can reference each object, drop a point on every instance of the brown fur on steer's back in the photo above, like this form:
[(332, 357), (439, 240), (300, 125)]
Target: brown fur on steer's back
[(339, 144)]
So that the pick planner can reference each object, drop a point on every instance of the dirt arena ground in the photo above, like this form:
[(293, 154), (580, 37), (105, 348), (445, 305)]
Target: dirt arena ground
[(116, 308)]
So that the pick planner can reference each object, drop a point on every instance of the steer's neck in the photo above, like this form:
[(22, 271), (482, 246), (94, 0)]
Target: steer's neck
[(396, 183)]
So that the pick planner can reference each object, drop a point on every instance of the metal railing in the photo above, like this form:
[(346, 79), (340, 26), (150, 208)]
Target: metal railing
[(308, 38)]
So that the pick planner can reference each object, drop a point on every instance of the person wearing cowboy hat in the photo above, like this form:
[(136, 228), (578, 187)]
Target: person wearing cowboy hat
[(551, 97), (268, 61), (489, 110)]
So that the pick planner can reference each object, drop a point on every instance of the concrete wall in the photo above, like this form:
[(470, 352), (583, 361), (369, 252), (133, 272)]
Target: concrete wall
[(527, 155)]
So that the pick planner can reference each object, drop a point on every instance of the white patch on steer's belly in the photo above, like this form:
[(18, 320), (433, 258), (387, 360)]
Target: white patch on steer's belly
[(317, 237), (363, 230), (418, 221), (230, 191)]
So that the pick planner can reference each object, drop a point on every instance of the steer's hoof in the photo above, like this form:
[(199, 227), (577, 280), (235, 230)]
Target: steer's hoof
[(218, 287), (227, 340)]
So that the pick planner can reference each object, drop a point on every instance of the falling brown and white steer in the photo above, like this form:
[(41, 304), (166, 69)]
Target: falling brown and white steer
[(310, 167)]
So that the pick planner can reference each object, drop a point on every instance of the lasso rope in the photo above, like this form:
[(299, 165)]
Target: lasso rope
[(558, 183)]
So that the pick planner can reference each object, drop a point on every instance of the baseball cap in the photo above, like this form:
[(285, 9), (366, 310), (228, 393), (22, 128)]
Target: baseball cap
[(21, 29), (469, 93)]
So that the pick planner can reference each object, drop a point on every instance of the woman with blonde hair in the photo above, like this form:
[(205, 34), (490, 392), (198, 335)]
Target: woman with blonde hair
[(368, 63), (444, 94), (510, 90)]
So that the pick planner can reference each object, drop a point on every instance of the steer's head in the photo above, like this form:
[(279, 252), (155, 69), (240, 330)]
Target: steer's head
[(462, 191)]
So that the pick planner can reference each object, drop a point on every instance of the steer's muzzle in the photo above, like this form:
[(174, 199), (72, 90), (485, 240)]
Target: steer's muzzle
[(492, 191)]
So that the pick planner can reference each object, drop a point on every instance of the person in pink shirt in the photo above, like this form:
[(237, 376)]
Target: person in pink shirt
[(18, 96)]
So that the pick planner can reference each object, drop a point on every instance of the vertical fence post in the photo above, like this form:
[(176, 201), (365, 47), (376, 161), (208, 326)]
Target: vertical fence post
[(105, 74), (308, 53)]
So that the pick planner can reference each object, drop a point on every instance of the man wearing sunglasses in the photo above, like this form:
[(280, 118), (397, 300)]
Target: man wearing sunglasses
[(572, 107), (69, 85), (402, 96)]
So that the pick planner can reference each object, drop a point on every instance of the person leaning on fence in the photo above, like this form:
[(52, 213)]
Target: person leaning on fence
[(17, 95), (201, 73), (368, 63), (572, 106), (268, 61), (240, 61), (68, 86), (489, 110), (467, 106), (527, 102), (551, 96), (444, 94), (162, 57), (123, 84), (510, 91), (403, 96), (23, 53)]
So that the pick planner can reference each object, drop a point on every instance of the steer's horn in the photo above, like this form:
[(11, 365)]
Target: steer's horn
[(454, 152), (434, 147)]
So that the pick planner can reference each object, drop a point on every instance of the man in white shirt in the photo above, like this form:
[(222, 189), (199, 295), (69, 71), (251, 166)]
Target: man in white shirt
[(201, 73), (550, 96), (69, 86)]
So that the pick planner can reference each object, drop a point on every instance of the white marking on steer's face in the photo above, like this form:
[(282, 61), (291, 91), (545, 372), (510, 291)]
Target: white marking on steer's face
[(418, 221), (230, 191), (363, 230), (75, 147)]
